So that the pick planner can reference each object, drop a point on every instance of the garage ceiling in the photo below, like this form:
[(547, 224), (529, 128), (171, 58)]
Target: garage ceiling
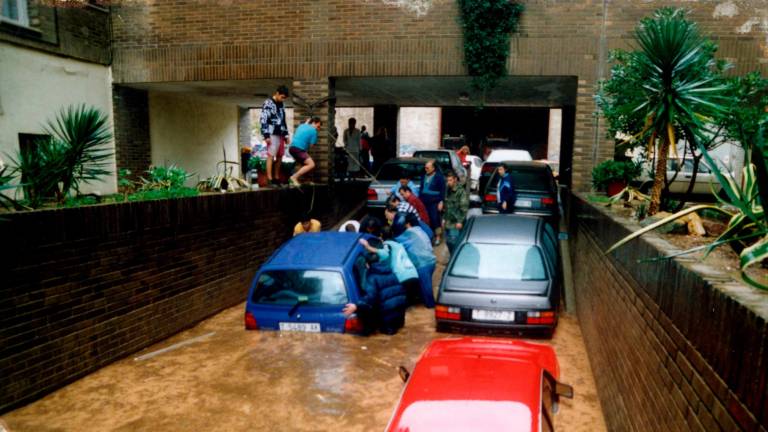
[(520, 91)]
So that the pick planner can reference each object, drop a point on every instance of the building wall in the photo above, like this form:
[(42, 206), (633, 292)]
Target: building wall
[(190, 132), (676, 345), (174, 41), (35, 86), (80, 32), (90, 285), (418, 129)]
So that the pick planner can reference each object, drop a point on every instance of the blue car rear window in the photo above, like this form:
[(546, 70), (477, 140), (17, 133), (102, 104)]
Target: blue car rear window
[(312, 287), (499, 261)]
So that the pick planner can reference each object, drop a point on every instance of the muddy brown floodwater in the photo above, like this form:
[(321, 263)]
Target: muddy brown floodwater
[(237, 380)]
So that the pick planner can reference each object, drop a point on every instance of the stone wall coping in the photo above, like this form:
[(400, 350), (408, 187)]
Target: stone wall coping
[(754, 299)]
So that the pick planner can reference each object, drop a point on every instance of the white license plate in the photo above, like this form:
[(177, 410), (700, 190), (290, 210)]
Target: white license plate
[(301, 327), (523, 203), (491, 315)]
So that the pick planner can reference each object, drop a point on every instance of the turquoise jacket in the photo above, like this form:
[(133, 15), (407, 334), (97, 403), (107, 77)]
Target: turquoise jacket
[(398, 259)]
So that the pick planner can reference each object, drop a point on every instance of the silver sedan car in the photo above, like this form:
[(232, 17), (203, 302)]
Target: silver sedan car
[(505, 276)]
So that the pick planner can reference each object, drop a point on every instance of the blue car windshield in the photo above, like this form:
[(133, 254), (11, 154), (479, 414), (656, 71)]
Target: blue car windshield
[(311, 287), (499, 261)]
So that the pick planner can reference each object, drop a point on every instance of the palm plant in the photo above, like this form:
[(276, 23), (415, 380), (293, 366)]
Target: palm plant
[(670, 85), (74, 152), (82, 133)]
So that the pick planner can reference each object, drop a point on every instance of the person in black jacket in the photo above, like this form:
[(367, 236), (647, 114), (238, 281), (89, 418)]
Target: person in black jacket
[(383, 305)]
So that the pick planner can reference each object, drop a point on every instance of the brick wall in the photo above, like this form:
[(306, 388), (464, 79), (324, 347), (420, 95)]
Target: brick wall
[(186, 40), (675, 345), (130, 108), (311, 92), (84, 287), (78, 32)]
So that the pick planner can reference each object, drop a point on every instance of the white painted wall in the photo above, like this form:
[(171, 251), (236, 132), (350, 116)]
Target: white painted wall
[(190, 133), (364, 116), (34, 86), (417, 129)]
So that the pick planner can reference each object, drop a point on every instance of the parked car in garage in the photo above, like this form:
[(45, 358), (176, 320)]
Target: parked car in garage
[(493, 160), (504, 276), (447, 159), (481, 384), (536, 190), (390, 173), (305, 284)]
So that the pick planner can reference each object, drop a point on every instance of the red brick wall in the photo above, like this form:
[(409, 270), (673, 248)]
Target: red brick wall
[(674, 345), (130, 109), (84, 287), (300, 39), (77, 32)]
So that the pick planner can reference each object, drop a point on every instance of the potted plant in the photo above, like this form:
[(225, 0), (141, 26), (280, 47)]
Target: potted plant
[(613, 176), (260, 166)]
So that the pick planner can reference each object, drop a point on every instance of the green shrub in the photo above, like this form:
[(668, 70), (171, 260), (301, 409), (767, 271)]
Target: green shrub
[(614, 171)]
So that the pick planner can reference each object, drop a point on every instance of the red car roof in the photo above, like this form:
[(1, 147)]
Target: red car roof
[(475, 384)]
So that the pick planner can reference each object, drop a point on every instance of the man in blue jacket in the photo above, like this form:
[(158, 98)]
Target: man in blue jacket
[(505, 193), (383, 305), (432, 194)]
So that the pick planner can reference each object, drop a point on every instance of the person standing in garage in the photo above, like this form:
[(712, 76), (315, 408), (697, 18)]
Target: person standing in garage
[(505, 194), (432, 195), (352, 145), (456, 207)]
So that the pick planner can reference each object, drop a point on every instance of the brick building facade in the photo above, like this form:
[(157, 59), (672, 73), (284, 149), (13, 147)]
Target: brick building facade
[(315, 41)]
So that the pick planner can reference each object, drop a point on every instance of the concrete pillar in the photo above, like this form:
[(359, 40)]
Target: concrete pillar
[(313, 96), (130, 108)]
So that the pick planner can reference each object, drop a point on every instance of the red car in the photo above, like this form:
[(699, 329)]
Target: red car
[(481, 384)]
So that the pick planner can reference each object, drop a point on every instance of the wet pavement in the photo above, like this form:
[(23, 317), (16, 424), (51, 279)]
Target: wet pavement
[(223, 378)]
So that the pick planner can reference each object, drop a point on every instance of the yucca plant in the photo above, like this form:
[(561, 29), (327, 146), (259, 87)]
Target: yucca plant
[(80, 135), (670, 84), (6, 201), (747, 222), (75, 152)]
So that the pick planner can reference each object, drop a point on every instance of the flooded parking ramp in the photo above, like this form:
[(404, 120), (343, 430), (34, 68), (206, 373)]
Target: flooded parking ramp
[(237, 380), (219, 377)]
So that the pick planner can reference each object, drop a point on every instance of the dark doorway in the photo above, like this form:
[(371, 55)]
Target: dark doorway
[(499, 127)]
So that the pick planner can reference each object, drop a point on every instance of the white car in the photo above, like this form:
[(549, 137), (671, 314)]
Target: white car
[(705, 179), (501, 155), (475, 165)]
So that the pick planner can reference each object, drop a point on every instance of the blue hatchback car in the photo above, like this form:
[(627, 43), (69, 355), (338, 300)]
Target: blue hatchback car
[(305, 284)]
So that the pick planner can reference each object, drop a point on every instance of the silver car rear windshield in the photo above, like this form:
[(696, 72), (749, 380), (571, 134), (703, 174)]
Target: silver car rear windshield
[(396, 171), (312, 287), (499, 261)]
